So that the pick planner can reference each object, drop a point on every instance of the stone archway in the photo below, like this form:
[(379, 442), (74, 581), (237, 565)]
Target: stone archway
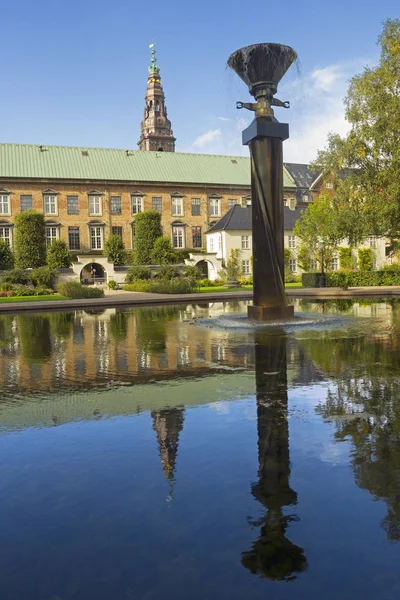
[(202, 265), (93, 273), (210, 267)]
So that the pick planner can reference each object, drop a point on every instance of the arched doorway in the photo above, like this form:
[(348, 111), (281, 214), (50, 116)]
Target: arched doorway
[(202, 266), (93, 273)]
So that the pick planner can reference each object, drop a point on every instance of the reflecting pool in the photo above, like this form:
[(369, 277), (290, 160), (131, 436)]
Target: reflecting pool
[(176, 453)]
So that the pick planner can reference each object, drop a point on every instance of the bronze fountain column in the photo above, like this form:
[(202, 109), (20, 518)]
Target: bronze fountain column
[(261, 67)]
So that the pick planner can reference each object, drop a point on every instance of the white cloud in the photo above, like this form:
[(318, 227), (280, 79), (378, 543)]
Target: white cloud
[(223, 119), (207, 138)]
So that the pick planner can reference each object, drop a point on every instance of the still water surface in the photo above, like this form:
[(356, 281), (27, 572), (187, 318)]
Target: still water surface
[(169, 453)]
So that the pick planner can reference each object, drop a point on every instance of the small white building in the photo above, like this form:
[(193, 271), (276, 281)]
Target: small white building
[(234, 230)]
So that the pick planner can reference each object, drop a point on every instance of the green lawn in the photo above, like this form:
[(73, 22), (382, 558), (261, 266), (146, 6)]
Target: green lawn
[(13, 299), (221, 288)]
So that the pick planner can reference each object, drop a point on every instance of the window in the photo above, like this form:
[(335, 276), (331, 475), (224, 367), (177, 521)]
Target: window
[(211, 244), (214, 207), (372, 241), (50, 204), (74, 238), (116, 207), (5, 235), (94, 205), (313, 265), (117, 231), (72, 205), (137, 204), (51, 234), (25, 203), (292, 265), (96, 237), (231, 203), (219, 243), (292, 203), (196, 207), (178, 237), (245, 267), (292, 241), (245, 242), (334, 265), (156, 204), (4, 204), (196, 237), (177, 207), (329, 186)]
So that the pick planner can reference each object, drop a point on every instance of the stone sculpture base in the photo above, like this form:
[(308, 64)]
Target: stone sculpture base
[(270, 313)]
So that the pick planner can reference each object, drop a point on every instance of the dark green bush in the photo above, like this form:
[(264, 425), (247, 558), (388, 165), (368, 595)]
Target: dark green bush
[(115, 250), (6, 256), (44, 277), (192, 271), (182, 254), (135, 273), (163, 252), (309, 280), (30, 243), (112, 285), (147, 230), (75, 290), (363, 278), (167, 272), (16, 276), (58, 255), (181, 285)]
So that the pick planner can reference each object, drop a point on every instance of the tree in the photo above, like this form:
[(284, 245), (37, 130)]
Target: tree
[(163, 252), (147, 230), (115, 250), (365, 259), (319, 230), (58, 255), (346, 258), (364, 165), (30, 243), (304, 258), (232, 270), (6, 256)]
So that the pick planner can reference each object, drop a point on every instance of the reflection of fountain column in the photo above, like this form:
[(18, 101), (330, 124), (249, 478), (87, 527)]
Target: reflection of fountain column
[(273, 555), (168, 424)]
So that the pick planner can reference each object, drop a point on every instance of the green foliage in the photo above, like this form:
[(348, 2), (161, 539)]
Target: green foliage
[(365, 259), (112, 285), (147, 230), (135, 273), (183, 254), (61, 324), (233, 269), (367, 198), (304, 258), (292, 278), (192, 271), (310, 280), (6, 256), (318, 228), (363, 278), (163, 252), (286, 257), (75, 290), (205, 283), (16, 276), (30, 244), (181, 285), (44, 277), (167, 272), (346, 258), (114, 249), (34, 335), (58, 255)]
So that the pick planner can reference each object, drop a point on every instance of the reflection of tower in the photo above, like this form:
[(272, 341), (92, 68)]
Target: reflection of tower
[(156, 132), (273, 555), (168, 424)]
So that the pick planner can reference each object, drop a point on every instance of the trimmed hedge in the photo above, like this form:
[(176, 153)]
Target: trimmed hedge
[(182, 285), (75, 290), (354, 278)]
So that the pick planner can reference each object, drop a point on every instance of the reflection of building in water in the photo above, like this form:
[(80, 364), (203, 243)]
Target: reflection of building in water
[(168, 423), (273, 555)]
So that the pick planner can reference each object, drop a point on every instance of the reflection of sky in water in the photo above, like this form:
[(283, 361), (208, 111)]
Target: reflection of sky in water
[(166, 465)]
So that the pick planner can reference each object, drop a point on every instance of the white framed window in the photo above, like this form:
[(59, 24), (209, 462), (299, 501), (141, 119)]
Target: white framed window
[(137, 204), (313, 265), (5, 235), (245, 267), (334, 265), (292, 265), (96, 237), (177, 207), (211, 244), (95, 205), (178, 237), (372, 241), (245, 242), (4, 204), (215, 205), (291, 241), (50, 204), (292, 203), (329, 186), (232, 202), (51, 234)]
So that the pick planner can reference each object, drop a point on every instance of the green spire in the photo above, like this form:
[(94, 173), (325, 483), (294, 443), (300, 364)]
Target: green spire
[(154, 69)]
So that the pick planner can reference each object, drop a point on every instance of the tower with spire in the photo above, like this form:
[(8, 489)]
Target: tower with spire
[(156, 133)]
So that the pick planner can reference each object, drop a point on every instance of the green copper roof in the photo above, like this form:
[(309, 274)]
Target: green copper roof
[(107, 164)]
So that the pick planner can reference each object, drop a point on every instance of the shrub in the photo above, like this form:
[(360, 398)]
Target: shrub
[(291, 278), (167, 272), (192, 271), (310, 280), (135, 273), (183, 285), (182, 254), (43, 277), (75, 290), (163, 252), (16, 276), (58, 255), (365, 259), (115, 250), (345, 258), (6, 256), (112, 285), (245, 280), (232, 270), (147, 230), (30, 244), (206, 283), (363, 278), (23, 290)]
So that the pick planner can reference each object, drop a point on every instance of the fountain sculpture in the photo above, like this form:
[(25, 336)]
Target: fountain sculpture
[(261, 67)]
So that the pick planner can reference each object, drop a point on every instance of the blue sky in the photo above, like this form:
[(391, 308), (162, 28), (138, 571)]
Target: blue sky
[(74, 73)]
